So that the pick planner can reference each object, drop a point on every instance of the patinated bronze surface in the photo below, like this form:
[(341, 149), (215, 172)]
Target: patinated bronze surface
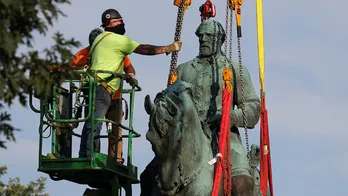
[(185, 121)]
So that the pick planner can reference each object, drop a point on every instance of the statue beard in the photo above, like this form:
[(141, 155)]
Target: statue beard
[(207, 50)]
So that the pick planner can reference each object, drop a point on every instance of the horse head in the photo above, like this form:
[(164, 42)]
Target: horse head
[(176, 135)]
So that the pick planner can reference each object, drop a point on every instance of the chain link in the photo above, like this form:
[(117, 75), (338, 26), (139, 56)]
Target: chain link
[(231, 30), (226, 28), (177, 36), (245, 120)]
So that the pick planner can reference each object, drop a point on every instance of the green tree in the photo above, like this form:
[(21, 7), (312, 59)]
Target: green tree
[(15, 188), (21, 73)]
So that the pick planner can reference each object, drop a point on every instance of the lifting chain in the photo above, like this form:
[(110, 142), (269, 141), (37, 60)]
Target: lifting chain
[(227, 73), (183, 4), (236, 6), (231, 30), (228, 28), (227, 25), (245, 120)]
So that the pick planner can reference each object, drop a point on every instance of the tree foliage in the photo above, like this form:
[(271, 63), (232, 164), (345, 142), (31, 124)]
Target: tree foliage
[(15, 188), (23, 72)]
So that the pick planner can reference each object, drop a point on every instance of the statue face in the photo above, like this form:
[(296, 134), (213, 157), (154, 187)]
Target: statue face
[(209, 34), (207, 47)]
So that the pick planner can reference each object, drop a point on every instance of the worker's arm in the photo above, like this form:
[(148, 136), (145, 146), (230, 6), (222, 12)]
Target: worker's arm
[(128, 67), (129, 46), (130, 77), (130, 72), (146, 49)]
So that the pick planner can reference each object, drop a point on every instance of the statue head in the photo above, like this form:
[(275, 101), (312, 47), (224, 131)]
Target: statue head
[(211, 36)]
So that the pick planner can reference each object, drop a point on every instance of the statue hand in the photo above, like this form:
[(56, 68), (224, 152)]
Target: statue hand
[(215, 120)]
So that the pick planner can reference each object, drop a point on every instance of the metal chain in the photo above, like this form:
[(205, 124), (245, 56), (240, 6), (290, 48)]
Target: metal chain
[(231, 30), (226, 28), (245, 120), (177, 36), (215, 71), (240, 72)]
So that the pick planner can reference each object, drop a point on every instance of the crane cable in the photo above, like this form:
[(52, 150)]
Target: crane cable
[(182, 6)]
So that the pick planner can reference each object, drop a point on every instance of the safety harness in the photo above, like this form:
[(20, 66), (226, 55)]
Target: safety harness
[(103, 82)]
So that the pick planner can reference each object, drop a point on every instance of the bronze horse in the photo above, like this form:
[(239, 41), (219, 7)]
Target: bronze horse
[(182, 146)]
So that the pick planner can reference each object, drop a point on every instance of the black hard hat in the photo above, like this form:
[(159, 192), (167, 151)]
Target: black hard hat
[(108, 15), (93, 34)]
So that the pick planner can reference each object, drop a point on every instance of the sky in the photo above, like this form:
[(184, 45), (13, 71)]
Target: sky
[(306, 92)]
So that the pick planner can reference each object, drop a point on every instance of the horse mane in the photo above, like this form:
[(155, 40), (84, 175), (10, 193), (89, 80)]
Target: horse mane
[(178, 87)]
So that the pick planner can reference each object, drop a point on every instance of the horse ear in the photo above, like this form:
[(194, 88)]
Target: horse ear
[(172, 108), (149, 106)]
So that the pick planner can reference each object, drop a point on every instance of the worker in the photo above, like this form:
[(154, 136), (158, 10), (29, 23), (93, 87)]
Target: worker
[(114, 111), (80, 58), (108, 51), (79, 61)]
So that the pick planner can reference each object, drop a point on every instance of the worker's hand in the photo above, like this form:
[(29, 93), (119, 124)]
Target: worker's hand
[(174, 47), (130, 79), (133, 82)]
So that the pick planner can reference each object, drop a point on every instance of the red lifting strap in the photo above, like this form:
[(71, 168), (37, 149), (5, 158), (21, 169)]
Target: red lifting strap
[(223, 163), (265, 152)]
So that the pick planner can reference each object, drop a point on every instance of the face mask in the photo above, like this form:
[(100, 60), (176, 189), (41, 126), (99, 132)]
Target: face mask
[(119, 29)]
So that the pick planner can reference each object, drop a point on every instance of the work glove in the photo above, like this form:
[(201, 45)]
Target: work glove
[(174, 47), (131, 80)]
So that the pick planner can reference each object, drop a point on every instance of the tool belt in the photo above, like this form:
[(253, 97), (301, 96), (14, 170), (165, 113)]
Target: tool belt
[(104, 82)]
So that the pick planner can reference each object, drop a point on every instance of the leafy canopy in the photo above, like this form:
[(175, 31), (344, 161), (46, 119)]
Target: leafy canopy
[(15, 188), (20, 19)]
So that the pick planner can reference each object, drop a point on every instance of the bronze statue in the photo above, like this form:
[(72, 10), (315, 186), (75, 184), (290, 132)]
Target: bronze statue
[(185, 121)]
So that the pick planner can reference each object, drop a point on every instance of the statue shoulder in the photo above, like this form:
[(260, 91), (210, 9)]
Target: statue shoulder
[(187, 64), (187, 68)]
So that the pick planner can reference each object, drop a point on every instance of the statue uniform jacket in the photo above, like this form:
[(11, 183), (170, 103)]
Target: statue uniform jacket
[(206, 77)]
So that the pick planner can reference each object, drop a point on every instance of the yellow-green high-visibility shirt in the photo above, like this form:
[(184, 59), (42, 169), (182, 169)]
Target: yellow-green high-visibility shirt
[(108, 55)]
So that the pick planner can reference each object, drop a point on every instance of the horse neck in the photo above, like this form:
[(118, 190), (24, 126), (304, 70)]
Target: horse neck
[(196, 172), (197, 151)]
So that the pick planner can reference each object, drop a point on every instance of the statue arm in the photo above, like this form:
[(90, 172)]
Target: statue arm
[(252, 101)]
